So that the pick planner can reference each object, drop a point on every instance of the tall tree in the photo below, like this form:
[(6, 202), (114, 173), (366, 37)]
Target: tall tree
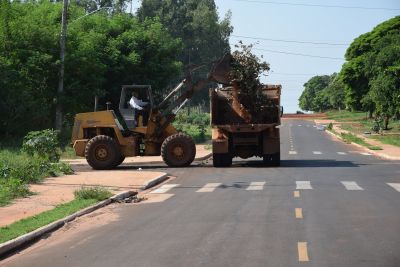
[(104, 52), (362, 66), (196, 22), (311, 88)]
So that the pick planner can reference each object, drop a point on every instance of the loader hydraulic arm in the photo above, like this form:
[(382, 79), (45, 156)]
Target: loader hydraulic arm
[(183, 98), (168, 108), (219, 73)]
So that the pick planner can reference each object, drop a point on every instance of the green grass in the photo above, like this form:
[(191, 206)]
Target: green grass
[(32, 223), (98, 193), (68, 153), (345, 115), (18, 170), (351, 138), (359, 123), (388, 139)]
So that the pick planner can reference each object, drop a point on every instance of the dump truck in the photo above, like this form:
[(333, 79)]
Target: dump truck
[(238, 132)]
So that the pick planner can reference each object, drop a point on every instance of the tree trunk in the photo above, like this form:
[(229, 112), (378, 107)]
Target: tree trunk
[(386, 122), (370, 114)]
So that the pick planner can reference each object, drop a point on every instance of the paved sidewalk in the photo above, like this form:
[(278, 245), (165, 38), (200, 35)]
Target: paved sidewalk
[(57, 190), (388, 151)]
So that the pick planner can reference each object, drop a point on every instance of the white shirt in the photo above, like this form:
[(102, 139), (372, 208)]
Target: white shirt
[(137, 103)]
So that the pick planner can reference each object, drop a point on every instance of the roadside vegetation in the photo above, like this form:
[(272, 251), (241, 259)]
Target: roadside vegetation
[(105, 50), (359, 123), (84, 197), (37, 159), (365, 94), (351, 138), (195, 123)]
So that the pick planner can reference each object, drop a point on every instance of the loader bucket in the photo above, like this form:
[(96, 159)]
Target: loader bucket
[(221, 70)]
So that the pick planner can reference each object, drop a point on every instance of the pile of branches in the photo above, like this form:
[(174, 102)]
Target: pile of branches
[(246, 69)]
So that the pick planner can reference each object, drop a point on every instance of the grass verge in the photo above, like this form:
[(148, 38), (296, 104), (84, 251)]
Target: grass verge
[(30, 224), (388, 139), (351, 138), (84, 198)]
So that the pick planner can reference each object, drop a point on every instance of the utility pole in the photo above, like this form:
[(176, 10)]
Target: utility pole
[(60, 90)]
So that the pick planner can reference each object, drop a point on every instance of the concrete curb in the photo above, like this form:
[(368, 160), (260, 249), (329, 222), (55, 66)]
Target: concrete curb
[(373, 152), (21, 240), (161, 178)]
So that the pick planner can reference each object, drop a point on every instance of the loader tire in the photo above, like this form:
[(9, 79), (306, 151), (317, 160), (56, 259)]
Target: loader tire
[(120, 160), (102, 152), (178, 150), (222, 160)]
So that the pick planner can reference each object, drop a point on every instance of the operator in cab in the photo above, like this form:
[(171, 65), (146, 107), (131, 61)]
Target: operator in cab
[(139, 107)]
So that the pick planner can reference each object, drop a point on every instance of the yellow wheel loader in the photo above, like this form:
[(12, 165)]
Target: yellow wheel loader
[(106, 139)]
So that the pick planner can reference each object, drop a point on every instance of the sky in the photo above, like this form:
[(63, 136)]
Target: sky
[(339, 26)]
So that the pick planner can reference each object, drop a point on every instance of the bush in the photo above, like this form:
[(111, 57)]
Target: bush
[(98, 193), (43, 144), (17, 170)]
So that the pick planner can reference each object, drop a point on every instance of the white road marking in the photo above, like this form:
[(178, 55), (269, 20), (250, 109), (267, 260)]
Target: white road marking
[(314, 126), (255, 186), (350, 185), (317, 152), (342, 153), (292, 152), (303, 185), (299, 125), (163, 189), (365, 154), (210, 187), (396, 186)]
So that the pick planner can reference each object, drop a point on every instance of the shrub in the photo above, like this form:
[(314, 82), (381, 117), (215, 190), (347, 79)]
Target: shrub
[(43, 144), (17, 170), (98, 193)]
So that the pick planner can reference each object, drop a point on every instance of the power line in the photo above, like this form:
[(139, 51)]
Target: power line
[(295, 74), (287, 41), (298, 54), (315, 5)]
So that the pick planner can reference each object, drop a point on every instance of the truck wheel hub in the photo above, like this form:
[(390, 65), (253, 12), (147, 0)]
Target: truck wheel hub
[(178, 151), (101, 153)]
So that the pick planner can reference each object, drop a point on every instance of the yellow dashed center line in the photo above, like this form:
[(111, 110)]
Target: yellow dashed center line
[(299, 213), (303, 252), (296, 193)]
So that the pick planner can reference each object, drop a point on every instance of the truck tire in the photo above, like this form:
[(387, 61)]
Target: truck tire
[(178, 150), (102, 152), (273, 160), (222, 160), (276, 159)]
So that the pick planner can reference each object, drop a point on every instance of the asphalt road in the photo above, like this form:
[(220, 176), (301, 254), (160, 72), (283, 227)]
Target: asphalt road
[(327, 205)]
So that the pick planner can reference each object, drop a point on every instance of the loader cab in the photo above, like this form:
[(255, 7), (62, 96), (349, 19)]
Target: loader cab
[(143, 93)]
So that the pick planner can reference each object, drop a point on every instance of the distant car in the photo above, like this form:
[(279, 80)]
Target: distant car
[(299, 112)]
